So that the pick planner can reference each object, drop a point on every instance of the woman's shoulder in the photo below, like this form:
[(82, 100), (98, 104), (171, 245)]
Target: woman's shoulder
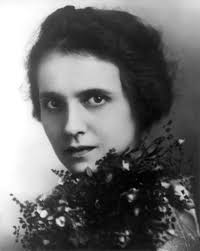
[(187, 235)]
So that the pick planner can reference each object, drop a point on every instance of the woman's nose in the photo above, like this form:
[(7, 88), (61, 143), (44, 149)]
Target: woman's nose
[(75, 122)]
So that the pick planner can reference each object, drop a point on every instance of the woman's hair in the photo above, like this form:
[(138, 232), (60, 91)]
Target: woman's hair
[(115, 36)]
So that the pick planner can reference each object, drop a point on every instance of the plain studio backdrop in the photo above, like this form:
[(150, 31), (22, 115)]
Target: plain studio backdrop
[(26, 155)]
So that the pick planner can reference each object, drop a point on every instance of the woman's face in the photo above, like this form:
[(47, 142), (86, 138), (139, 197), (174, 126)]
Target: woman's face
[(83, 109)]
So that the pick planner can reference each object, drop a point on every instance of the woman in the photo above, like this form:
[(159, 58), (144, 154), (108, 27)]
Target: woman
[(96, 75), (98, 80)]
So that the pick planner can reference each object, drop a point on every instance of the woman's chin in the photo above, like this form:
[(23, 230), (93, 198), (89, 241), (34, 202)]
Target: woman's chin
[(80, 167)]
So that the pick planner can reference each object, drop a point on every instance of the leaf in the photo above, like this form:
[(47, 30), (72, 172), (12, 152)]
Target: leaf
[(169, 122), (152, 149), (168, 129), (89, 171), (136, 154)]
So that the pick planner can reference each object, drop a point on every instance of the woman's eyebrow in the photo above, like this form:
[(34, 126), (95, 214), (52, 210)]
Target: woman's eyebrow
[(94, 91), (44, 95)]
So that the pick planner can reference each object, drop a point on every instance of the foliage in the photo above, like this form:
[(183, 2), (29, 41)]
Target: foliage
[(131, 199)]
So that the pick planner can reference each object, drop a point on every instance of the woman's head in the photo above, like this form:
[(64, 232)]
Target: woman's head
[(83, 105), (106, 49)]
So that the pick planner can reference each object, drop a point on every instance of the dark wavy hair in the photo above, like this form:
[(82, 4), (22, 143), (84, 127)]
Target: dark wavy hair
[(115, 36)]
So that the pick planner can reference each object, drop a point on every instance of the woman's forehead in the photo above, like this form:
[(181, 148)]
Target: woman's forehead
[(73, 72)]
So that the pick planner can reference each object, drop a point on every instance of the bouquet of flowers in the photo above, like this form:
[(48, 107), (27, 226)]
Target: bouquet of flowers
[(131, 198)]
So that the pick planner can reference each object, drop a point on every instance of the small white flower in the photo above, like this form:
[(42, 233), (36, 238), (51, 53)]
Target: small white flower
[(180, 191), (165, 200), (39, 210), (45, 242), (33, 214), (158, 167), (162, 209), (130, 197), (125, 165), (109, 177), (43, 197), (122, 239), (149, 231), (61, 181), (78, 224), (127, 232), (60, 221), (136, 211), (181, 141), (62, 202), (43, 214), (41, 225), (122, 242), (178, 188), (67, 209), (171, 231), (97, 204), (165, 184), (60, 208), (50, 218)]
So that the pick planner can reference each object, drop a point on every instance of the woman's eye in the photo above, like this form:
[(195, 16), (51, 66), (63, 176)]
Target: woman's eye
[(96, 100), (53, 105)]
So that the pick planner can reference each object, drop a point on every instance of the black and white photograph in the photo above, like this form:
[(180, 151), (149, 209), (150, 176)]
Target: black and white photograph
[(100, 125)]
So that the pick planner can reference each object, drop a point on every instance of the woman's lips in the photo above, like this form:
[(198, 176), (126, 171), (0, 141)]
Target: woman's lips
[(78, 152)]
